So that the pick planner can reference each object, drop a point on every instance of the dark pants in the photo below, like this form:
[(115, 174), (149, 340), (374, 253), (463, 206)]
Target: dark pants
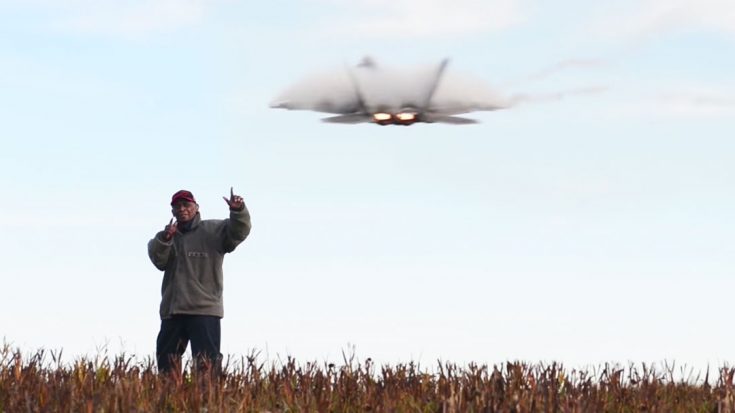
[(176, 332)]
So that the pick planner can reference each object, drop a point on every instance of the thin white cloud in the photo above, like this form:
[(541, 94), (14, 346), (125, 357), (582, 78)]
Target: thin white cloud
[(652, 17), (559, 95), (700, 102), (426, 18), (138, 18), (558, 68), (565, 65), (128, 18)]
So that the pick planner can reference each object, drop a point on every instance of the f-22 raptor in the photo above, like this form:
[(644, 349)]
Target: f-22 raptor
[(368, 93)]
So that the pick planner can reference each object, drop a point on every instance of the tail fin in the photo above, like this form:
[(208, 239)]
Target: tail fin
[(434, 84)]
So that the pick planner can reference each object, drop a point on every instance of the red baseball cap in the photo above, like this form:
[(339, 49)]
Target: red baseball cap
[(183, 194)]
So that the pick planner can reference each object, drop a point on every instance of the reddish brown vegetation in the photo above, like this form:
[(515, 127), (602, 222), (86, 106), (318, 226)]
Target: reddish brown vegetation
[(35, 384)]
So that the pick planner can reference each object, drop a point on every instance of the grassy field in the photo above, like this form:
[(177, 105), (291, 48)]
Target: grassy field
[(42, 382)]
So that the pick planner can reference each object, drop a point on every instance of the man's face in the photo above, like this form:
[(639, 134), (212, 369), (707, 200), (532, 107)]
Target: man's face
[(184, 210)]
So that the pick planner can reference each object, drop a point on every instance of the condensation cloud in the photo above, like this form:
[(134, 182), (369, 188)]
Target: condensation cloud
[(388, 88)]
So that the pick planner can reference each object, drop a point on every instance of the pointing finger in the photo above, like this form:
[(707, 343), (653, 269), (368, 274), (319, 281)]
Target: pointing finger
[(232, 193), (171, 221)]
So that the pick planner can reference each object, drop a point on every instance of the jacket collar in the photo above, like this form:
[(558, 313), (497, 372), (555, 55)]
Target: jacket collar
[(191, 225)]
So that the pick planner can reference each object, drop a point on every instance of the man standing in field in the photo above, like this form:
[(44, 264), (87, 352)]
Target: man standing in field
[(190, 251)]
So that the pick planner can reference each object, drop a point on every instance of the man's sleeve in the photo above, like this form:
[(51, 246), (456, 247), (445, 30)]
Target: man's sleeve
[(236, 229), (159, 251)]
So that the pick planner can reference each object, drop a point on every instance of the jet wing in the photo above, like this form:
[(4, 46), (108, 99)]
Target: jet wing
[(452, 120), (348, 119)]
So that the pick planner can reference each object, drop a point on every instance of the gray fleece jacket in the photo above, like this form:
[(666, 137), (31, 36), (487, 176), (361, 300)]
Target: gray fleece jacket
[(192, 263)]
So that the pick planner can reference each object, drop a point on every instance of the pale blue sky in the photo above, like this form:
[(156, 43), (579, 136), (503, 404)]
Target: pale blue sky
[(593, 228)]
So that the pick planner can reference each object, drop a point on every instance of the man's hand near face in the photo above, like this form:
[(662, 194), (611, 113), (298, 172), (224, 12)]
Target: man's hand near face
[(170, 230)]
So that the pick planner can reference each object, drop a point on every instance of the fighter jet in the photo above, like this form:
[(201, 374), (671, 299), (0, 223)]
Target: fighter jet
[(368, 93)]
